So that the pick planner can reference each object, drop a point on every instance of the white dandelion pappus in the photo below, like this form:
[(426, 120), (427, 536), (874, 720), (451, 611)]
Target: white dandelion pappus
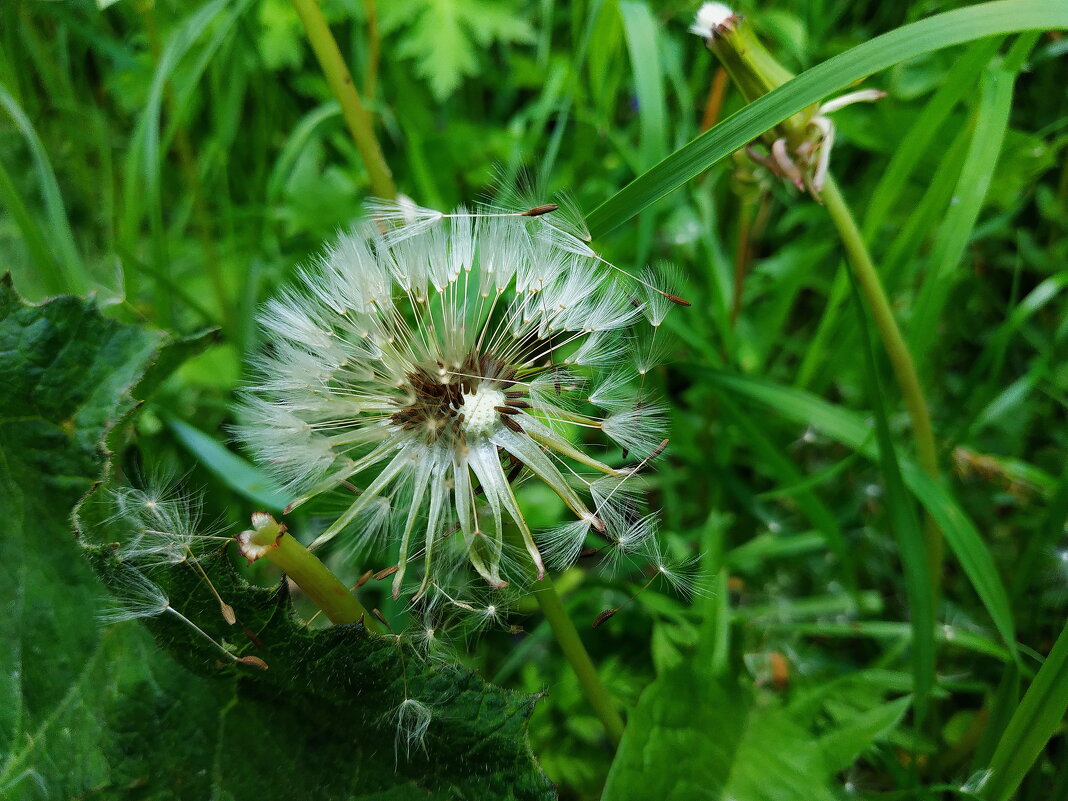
[(430, 354)]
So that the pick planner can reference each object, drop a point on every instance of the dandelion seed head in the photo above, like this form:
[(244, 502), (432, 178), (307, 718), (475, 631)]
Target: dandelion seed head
[(430, 360), (165, 524)]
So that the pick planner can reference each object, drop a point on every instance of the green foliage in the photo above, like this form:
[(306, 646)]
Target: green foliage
[(697, 736), (146, 147), (135, 722), (443, 36), (954, 27), (1036, 720)]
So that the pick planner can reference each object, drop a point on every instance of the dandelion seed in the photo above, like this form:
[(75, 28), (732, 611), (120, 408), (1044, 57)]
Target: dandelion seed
[(682, 575), (167, 528), (135, 596), (411, 719), (563, 544), (976, 782), (427, 359)]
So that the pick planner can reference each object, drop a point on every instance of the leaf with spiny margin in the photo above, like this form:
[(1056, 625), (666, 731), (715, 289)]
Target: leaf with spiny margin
[(118, 714)]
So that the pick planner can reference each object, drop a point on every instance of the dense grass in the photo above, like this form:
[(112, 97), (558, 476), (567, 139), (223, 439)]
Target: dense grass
[(181, 158)]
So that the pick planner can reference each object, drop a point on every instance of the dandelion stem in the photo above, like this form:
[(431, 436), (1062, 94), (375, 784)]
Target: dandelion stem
[(904, 369), (356, 115), (315, 579), (575, 653)]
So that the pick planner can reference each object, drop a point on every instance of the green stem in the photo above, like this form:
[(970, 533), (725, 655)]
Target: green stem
[(904, 369), (311, 575), (357, 117), (575, 653)]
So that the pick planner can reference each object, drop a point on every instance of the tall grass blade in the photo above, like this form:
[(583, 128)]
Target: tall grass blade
[(66, 270), (907, 531), (991, 124), (1037, 718)]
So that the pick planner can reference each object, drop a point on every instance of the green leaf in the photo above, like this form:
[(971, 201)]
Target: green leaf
[(641, 29), (693, 736), (918, 564), (977, 171), (121, 716), (65, 379), (237, 473), (909, 41), (59, 258), (842, 746), (444, 36)]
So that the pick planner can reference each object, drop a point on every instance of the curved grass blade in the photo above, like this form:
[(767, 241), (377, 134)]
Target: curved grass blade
[(61, 262), (641, 30), (1036, 720), (909, 41), (991, 125)]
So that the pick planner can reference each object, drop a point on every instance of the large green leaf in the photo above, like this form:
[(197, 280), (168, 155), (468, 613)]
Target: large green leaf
[(909, 41), (65, 375), (693, 736), (117, 715)]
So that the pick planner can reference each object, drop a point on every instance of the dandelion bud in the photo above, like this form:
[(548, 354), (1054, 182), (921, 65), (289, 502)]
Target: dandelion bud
[(799, 147), (752, 68)]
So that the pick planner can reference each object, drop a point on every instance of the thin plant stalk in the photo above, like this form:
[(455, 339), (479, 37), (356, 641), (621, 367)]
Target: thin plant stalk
[(575, 652), (901, 362), (356, 115)]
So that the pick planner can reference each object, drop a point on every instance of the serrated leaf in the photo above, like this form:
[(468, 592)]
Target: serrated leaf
[(442, 35), (112, 715)]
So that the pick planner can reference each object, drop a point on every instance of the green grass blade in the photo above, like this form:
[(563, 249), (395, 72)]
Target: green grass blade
[(66, 261), (788, 474), (905, 527), (959, 81), (850, 429), (236, 473), (908, 153), (641, 30), (52, 279), (1036, 720), (992, 121), (909, 41), (889, 630)]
